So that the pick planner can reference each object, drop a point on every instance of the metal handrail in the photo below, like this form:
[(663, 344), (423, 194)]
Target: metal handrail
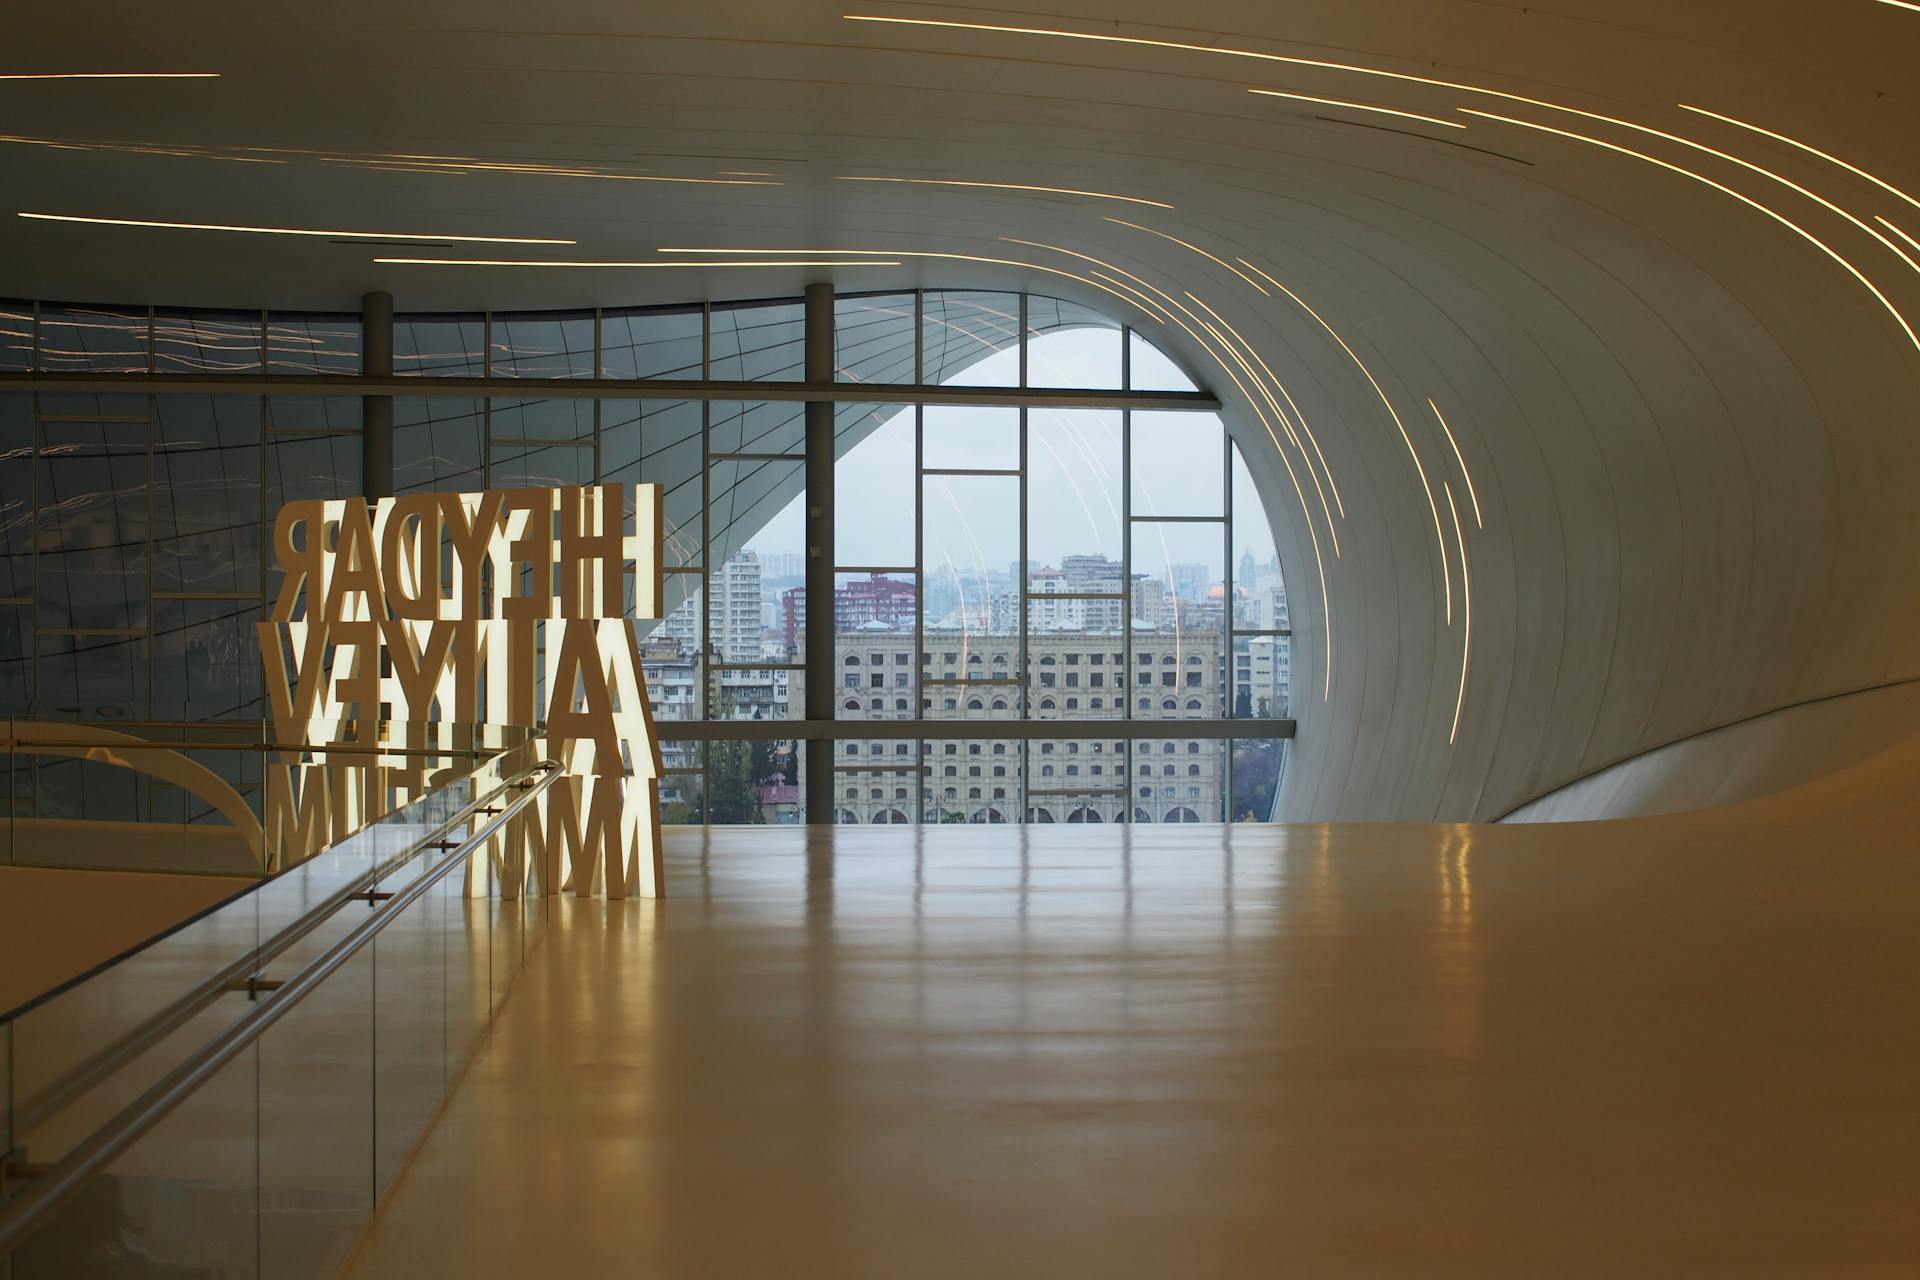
[(60, 1181), (110, 1058)]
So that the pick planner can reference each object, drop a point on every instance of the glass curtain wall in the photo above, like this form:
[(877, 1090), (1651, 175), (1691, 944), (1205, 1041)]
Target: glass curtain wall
[(1011, 563)]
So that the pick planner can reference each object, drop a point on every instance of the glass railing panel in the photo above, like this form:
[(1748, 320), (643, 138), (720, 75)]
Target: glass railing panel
[(316, 1126), (182, 1201), (409, 1031), (84, 1053)]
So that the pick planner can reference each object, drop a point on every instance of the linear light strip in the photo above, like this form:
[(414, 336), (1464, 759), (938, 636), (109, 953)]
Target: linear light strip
[(285, 231), (1359, 106), (113, 75), (1258, 287), (1298, 412), (1903, 4), (685, 266), (1332, 530), (1780, 218), (1457, 457), (1446, 569), (1810, 149), (1008, 186), (1466, 593), (1729, 157)]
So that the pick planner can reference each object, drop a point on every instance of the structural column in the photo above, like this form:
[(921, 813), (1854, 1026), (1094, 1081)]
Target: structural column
[(376, 412), (819, 582)]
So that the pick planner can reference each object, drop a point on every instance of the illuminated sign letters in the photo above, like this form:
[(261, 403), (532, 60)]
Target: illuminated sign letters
[(412, 622)]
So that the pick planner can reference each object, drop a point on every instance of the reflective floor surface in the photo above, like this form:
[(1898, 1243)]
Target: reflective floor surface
[(1684, 1048)]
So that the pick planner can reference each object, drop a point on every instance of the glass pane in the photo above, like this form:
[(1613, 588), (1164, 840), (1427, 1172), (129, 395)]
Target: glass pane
[(543, 419), (312, 343), (316, 1124), (206, 657), (1261, 675), (971, 537), (307, 467), (206, 495), (670, 654), (876, 673), (93, 339), (16, 335), (1177, 464), (972, 779), (1177, 780), (206, 342), (658, 442), (873, 338), (1069, 345), (1259, 590), (738, 612), (1077, 780), (182, 1201), (970, 438), (409, 1030), (540, 466), (875, 444), (1079, 672), (1073, 496), (683, 795), (16, 670), (758, 427), (440, 346), (542, 344), (16, 496), (971, 339), (756, 504), (876, 781), (1178, 570), (313, 413), (759, 342), (1149, 368), (92, 526), (653, 342), (753, 782), (99, 677), (436, 445)]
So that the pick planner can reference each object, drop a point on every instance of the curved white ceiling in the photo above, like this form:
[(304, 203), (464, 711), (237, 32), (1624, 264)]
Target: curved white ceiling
[(1672, 352)]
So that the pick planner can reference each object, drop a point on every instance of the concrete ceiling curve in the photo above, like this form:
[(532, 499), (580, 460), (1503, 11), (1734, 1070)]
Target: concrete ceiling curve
[(1674, 353)]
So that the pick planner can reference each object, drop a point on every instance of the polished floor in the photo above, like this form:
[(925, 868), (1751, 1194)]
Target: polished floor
[(1688, 1048)]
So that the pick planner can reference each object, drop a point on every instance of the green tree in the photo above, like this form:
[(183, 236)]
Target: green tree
[(733, 791)]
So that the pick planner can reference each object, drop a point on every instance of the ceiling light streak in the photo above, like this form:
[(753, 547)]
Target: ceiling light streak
[(1478, 522), (1466, 593), (1298, 413), (1782, 219), (284, 231), (1359, 106), (1230, 348), (1875, 179), (1008, 186), (1446, 570), (1258, 287), (1903, 4), (113, 75), (1279, 413), (1897, 231), (625, 266), (1702, 147)]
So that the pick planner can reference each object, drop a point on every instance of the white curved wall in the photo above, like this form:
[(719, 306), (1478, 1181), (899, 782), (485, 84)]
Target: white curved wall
[(1690, 430), (1767, 754)]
